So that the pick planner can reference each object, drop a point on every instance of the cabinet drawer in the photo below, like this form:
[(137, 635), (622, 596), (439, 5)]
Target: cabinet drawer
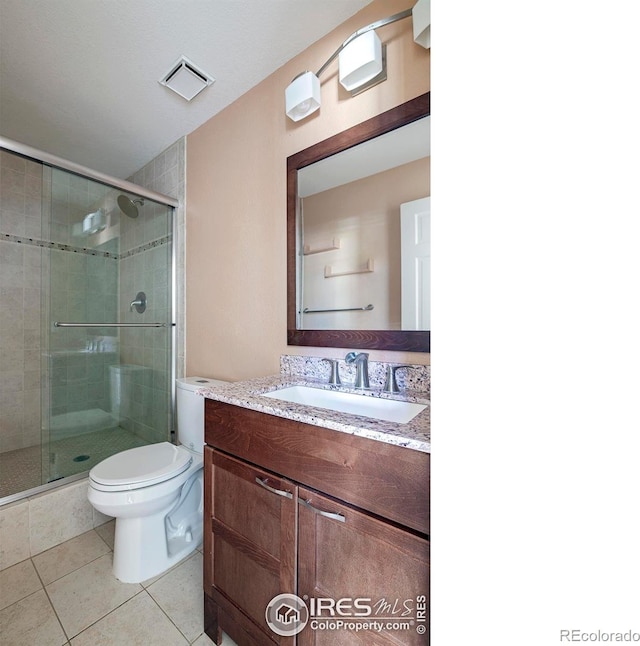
[(249, 537), (384, 479)]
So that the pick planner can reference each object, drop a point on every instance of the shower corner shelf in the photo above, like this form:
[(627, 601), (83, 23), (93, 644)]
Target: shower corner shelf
[(367, 269), (309, 251)]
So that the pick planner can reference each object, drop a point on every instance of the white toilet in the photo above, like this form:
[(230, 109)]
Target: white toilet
[(155, 493)]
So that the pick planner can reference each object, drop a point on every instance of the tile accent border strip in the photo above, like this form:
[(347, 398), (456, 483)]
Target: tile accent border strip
[(145, 247), (45, 244), (59, 246)]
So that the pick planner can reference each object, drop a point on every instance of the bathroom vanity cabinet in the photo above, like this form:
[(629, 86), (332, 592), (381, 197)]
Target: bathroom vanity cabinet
[(294, 508)]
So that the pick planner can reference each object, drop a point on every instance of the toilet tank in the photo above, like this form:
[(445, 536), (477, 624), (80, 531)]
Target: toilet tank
[(190, 411)]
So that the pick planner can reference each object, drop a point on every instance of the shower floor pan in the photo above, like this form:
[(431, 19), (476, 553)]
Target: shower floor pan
[(22, 469), (80, 422)]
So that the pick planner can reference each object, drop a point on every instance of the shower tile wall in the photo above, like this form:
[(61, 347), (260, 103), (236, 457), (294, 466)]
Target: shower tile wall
[(166, 174), (144, 266), (79, 379), (145, 352), (20, 296), (83, 287)]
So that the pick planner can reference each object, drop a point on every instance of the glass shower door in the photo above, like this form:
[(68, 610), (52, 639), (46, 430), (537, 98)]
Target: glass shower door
[(107, 324)]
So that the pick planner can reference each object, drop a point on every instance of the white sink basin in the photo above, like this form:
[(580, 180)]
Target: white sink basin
[(389, 410)]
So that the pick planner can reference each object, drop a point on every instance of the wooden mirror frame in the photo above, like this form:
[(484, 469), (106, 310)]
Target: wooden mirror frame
[(400, 340)]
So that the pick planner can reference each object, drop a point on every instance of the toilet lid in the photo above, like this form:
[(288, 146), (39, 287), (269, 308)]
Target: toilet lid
[(143, 466)]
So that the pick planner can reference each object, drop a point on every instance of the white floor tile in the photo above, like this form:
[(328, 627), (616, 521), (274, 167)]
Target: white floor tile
[(179, 594), (69, 556), (95, 608), (138, 622), (31, 622), (88, 594), (18, 582), (107, 532), (149, 582), (204, 640)]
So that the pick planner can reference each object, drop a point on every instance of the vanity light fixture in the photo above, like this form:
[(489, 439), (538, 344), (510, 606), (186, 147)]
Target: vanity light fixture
[(360, 61), (186, 79), (422, 23), (302, 96), (362, 65)]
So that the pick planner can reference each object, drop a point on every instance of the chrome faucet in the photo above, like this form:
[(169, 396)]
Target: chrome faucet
[(140, 303), (390, 384), (361, 361), (334, 377)]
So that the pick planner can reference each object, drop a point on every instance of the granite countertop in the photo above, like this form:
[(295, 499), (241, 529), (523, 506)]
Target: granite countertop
[(415, 434)]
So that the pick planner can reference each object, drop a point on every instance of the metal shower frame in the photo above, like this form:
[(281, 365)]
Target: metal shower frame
[(129, 187)]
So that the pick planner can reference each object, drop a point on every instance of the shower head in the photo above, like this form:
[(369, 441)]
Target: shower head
[(128, 206)]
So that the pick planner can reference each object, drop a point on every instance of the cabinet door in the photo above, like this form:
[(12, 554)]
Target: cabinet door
[(251, 545), (379, 571)]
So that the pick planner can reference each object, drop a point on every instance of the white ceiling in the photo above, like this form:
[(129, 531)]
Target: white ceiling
[(79, 78)]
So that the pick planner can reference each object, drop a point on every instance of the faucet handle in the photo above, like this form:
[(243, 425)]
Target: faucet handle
[(352, 357), (390, 384), (334, 377), (140, 303)]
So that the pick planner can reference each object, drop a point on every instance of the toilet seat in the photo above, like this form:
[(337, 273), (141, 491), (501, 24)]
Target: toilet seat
[(140, 467)]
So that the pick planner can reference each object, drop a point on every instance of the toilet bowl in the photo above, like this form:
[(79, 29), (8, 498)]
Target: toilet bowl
[(155, 492)]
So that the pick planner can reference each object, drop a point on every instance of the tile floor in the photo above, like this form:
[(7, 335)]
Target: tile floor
[(68, 596)]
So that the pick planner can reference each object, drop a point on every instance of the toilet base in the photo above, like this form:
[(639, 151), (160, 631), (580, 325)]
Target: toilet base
[(148, 546), (140, 549)]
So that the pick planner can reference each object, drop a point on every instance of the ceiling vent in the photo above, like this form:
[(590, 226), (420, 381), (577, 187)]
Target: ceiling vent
[(186, 79)]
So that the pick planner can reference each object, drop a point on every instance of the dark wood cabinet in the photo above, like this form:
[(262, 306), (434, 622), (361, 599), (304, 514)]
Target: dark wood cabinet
[(250, 543), (347, 554), (293, 508)]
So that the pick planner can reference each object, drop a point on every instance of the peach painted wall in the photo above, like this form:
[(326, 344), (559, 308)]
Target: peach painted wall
[(236, 201), (364, 216)]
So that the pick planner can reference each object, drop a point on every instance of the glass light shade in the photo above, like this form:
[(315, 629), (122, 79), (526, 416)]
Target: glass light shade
[(302, 97), (421, 14), (360, 61)]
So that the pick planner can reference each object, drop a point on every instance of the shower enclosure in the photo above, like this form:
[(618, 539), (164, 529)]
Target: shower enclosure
[(86, 319)]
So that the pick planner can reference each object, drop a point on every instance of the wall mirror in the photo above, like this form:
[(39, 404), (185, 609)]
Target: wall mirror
[(358, 235)]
